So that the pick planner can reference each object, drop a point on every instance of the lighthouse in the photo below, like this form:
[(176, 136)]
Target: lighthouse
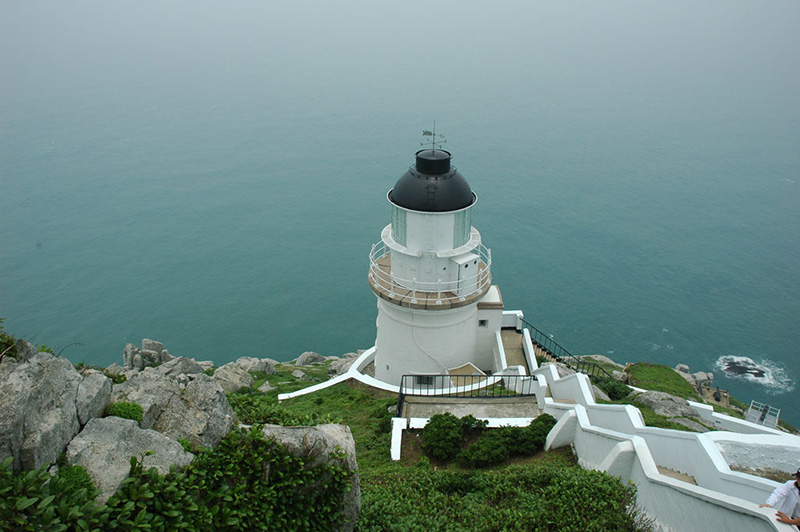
[(438, 311)]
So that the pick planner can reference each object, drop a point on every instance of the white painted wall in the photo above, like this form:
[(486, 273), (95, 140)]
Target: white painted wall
[(425, 341)]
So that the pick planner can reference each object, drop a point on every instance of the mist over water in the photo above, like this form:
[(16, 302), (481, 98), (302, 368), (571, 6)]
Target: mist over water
[(213, 176)]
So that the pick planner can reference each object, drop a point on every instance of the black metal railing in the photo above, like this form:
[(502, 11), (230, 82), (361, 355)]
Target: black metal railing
[(464, 386), (552, 348)]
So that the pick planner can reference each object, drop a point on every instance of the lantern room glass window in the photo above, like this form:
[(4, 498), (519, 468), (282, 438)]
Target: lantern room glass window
[(463, 224), (399, 225)]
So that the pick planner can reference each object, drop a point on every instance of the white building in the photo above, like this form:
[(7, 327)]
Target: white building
[(438, 311)]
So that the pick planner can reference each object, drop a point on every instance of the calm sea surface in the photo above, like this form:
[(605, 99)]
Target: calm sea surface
[(213, 176)]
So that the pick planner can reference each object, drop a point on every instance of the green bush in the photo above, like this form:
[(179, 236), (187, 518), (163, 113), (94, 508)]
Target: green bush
[(125, 410), (441, 438), (78, 478), (491, 449), (472, 425), (613, 388), (253, 407)]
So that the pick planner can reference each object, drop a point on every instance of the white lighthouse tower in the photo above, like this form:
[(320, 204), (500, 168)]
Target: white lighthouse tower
[(437, 309)]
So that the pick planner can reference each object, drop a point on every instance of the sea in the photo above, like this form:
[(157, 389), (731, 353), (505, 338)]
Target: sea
[(213, 175)]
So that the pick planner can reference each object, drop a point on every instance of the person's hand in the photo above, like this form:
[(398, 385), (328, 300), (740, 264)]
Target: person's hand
[(765, 506), (783, 518)]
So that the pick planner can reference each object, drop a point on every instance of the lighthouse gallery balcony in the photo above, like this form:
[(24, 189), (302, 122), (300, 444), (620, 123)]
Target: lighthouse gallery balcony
[(437, 295)]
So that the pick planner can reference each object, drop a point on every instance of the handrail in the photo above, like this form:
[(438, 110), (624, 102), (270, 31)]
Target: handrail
[(466, 386), (763, 414), (552, 348), (444, 290)]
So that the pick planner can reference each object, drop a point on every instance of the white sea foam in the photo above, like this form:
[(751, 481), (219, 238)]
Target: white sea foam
[(764, 372)]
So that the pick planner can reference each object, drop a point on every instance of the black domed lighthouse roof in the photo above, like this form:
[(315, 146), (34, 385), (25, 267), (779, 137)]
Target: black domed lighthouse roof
[(432, 185)]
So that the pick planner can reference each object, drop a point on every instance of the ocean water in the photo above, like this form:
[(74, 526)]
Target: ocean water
[(213, 176)]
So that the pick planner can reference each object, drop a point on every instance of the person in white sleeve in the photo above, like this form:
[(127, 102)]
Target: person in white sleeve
[(786, 499)]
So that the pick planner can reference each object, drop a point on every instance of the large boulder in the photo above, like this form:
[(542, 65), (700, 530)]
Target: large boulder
[(317, 445), (151, 354), (105, 446), (665, 404), (308, 358), (180, 366), (255, 364), (38, 415), (201, 413), (341, 366), (151, 390), (233, 377), (94, 394)]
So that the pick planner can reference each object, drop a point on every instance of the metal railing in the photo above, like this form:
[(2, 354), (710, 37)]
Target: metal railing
[(763, 414), (444, 290), (552, 348), (464, 386)]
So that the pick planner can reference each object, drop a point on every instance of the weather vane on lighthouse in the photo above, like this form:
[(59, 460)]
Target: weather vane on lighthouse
[(434, 139)]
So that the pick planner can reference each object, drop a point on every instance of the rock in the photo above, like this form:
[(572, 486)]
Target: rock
[(151, 354), (690, 423), (266, 387), (604, 359), (317, 444), (703, 378), (200, 414), (308, 358), (255, 364), (682, 368), (94, 394), (115, 369), (205, 364), (25, 350), (299, 375), (38, 415), (563, 371), (620, 375), (340, 366), (151, 390), (232, 377), (105, 446), (179, 366), (665, 404), (600, 394)]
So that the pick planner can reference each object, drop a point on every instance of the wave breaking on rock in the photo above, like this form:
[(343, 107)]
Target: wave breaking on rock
[(763, 372)]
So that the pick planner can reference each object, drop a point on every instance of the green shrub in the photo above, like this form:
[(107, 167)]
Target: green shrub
[(253, 407), (187, 445), (613, 388), (441, 438), (116, 378), (471, 425), (491, 449), (540, 427), (125, 410), (78, 478)]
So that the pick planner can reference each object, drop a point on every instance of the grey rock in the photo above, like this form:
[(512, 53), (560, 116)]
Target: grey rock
[(665, 404), (619, 375), (690, 423), (233, 378), (299, 375), (604, 359), (151, 390), (115, 369), (340, 366), (308, 358), (38, 415), (152, 345), (702, 377), (179, 366), (205, 364), (105, 446), (600, 394), (255, 364), (563, 371), (266, 387), (200, 414), (316, 444), (94, 394), (25, 350), (682, 368)]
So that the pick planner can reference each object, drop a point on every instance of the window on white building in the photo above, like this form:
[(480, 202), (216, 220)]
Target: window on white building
[(399, 225), (463, 224)]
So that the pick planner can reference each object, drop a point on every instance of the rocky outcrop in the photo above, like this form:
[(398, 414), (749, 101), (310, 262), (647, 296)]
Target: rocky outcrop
[(94, 394), (267, 365), (39, 415), (340, 366), (300, 375), (308, 358), (233, 377), (316, 444), (151, 354), (665, 404), (201, 413), (179, 366), (151, 390), (105, 446), (698, 379)]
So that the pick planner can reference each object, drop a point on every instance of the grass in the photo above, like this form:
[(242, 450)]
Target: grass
[(661, 378)]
